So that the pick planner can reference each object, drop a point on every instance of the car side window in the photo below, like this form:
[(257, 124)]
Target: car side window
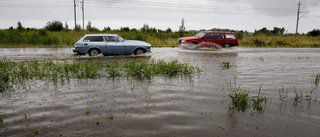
[(230, 36), (219, 36), (110, 38), (93, 39), (209, 36)]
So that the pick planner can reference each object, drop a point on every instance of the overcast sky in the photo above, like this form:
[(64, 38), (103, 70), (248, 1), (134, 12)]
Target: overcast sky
[(198, 14)]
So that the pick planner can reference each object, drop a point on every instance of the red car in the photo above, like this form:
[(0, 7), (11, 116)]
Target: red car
[(205, 38)]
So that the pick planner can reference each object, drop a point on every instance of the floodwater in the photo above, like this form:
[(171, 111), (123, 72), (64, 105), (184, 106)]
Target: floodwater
[(193, 105)]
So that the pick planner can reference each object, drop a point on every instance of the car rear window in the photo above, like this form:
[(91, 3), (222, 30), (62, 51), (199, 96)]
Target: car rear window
[(230, 36), (93, 39)]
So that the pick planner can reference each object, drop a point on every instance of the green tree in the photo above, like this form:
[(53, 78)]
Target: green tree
[(182, 28), (107, 29), (19, 26), (277, 30), (314, 33), (66, 26), (145, 28), (90, 28), (169, 30), (77, 28), (124, 29), (54, 26)]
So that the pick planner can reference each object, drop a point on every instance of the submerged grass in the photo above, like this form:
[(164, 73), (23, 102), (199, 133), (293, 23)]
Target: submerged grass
[(257, 103), (317, 79), (1, 119), (239, 97), (16, 73)]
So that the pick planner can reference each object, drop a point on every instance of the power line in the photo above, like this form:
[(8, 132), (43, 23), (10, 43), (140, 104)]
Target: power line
[(159, 6)]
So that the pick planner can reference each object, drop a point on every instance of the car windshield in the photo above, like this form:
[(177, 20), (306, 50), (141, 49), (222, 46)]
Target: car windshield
[(200, 34), (120, 39)]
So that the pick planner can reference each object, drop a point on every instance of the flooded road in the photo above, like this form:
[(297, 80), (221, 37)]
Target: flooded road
[(192, 105)]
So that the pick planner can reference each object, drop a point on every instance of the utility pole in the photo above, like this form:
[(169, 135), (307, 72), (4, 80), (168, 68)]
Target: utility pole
[(298, 16), (75, 13), (299, 4), (83, 14)]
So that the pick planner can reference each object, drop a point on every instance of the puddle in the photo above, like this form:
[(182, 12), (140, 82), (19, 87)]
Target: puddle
[(195, 105)]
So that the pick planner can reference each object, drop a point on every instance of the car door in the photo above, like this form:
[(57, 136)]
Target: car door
[(93, 42), (209, 37), (114, 46), (219, 39), (208, 40)]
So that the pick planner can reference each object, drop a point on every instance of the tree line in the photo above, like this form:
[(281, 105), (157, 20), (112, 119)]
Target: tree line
[(58, 26)]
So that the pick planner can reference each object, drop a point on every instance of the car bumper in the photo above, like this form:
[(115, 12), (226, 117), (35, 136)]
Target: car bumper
[(74, 50)]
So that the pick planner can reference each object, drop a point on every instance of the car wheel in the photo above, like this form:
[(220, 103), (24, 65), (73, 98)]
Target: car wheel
[(138, 52), (227, 45), (94, 52)]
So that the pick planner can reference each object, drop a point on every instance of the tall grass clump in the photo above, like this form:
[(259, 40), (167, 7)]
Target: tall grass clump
[(113, 69), (257, 102), (239, 97), (297, 98), (6, 80), (282, 94), (159, 67)]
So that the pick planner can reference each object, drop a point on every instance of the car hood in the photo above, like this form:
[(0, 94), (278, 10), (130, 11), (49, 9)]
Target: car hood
[(189, 38), (136, 43)]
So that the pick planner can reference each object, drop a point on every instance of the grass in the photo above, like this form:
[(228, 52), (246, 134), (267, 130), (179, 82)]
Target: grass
[(222, 127), (226, 63), (283, 95), (1, 119), (298, 98), (36, 38), (98, 122), (239, 97), (317, 79), (17, 73), (281, 41), (42, 38), (87, 110), (36, 131), (110, 116), (257, 103)]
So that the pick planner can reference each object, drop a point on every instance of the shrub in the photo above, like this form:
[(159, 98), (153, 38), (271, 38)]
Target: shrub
[(54, 26), (259, 43), (314, 33)]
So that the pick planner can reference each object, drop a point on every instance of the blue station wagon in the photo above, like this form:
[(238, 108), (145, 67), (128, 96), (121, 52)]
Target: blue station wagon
[(109, 44)]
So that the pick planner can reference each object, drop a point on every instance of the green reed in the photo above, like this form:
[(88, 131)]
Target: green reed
[(238, 96), (1, 119), (317, 79), (257, 102)]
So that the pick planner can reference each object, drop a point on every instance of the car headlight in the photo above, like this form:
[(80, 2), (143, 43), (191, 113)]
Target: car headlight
[(183, 41)]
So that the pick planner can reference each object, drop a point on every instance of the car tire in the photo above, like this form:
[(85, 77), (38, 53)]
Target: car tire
[(94, 52), (139, 51), (227, 45)]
